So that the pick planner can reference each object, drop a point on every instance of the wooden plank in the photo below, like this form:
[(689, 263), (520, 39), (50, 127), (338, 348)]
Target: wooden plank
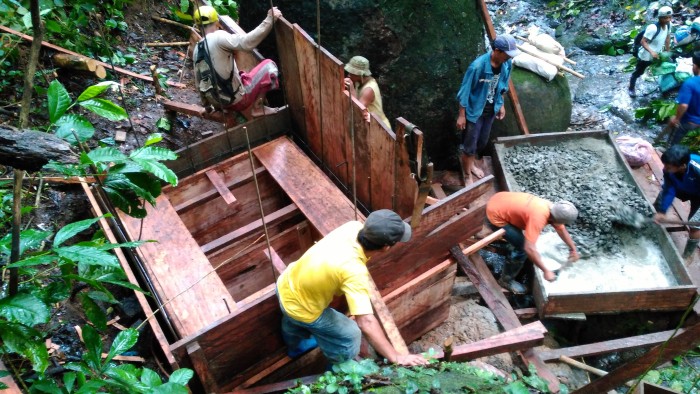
[(319, 200), (362, 165), (12, 387), (490, 291), (614, 345), (308, 74), (276, 387), (334, 121), (675, 346), (221, 188), (527, 313), (210, 194), (103, 64), (285, 213), (275, 259), (480, 244), (194, 300), (405, 186), (382, 145), (437, 190), (201, 365), (519, 338), (140, 297), (386, 319), (201, 112), (289, 67)]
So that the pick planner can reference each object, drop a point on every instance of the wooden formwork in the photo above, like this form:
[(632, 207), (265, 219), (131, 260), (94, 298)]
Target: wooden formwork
[(670, 298)]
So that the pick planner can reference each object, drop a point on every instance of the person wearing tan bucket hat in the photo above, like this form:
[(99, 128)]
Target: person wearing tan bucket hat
[(360, 83)]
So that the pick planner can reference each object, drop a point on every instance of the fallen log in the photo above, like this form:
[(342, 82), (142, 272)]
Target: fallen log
[(80, 63), (30, 150), (103, 64)]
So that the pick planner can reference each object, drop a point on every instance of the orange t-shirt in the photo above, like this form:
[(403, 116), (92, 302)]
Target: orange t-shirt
[(522, 210)]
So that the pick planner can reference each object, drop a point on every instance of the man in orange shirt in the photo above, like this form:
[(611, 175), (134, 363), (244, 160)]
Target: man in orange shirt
[(524, 216)]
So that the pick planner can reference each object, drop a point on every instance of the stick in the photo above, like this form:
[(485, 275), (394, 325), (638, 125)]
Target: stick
[(168, 44), (103, 64), (566, 59), (563, 68), (171, 22), (484, 241), (580, 365)]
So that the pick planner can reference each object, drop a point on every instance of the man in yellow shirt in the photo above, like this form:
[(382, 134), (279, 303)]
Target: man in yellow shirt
[(334, 266)]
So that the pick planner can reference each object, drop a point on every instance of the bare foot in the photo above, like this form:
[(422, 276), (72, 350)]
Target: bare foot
[(468, 180), (263, 111), (478, 173)]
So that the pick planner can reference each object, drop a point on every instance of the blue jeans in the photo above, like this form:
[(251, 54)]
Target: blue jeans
[(476, 136), (515, 237), (338, 337)]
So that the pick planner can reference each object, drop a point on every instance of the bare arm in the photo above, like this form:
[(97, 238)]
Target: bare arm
[(461, 118), (645, 45), (536, 259), (566, 237), (367, 96), (370, 327), (676, 119)]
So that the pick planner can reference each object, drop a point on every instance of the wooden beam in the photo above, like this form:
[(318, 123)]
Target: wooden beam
[(201, 365), (276, 387), (438, 191), (527, 313), (386, 319), (519, 338), (275, 259), (222, 189), (103, 64), (496, 235), (423, 191), (283, 214), (490, 291), (675, 346), (227, 118), (517, 110), (614, 345), (211, 194)]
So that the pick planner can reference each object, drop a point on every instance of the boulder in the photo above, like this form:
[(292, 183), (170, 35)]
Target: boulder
[(546, 105)]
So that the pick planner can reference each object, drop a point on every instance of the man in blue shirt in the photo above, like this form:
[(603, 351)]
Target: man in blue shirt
[(481, 100), (682, 181), (687, 116)]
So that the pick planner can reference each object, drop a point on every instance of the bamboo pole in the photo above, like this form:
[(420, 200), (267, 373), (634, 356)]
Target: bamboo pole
[(566, 59), (167, 44), (563, 68), (585, 367), (496, 235), (171, 22)]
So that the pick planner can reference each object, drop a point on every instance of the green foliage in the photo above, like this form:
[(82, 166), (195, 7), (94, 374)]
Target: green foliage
[(447, 377), (129, 178), (659, 110), (692, 140), (185, 9), (681, 375)]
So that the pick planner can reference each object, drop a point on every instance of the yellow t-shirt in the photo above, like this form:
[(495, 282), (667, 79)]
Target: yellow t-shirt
[(332, 267)]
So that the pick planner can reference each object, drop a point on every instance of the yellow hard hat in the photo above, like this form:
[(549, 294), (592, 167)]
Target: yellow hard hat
[(205, 15)]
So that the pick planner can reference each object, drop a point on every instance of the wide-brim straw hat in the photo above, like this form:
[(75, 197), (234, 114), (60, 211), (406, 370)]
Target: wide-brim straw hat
[(358, 65)]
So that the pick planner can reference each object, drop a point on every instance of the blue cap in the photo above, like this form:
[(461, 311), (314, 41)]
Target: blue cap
[(506, 43)]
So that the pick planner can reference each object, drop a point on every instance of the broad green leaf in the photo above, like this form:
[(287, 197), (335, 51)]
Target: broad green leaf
[(69, 123), (124, 204), (91, 387), (4, 373), (106, 155), (41, 259), (134, 244), (153, 153), (124, 168), (159, 170), (150, 378), (78, 367), (181, 376), (55, 291), (87, 255), (128, 285), (96, 90), (105, 108), (3, 386), (517, 387), (140, 184), (69, 381), (59, 100), (102, 297), (25, 309), (93, 345), (154, 139), (26, 341), (28, 239), (36, 353), (93, 312), (124, 341), (72, 229), (163, 124), (170, 388), (126, 373)]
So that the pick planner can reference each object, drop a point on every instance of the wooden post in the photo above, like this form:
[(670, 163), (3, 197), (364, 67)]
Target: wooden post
[(80, 63), (517, 110)]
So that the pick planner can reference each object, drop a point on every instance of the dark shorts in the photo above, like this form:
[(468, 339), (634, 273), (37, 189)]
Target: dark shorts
[(476, 136), (258, 81)]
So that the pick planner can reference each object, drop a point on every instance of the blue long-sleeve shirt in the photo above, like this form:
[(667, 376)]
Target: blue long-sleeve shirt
[(475, 86), (688, 184)]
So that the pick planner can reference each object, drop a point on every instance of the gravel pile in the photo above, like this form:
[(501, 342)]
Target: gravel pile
[(586, 173)]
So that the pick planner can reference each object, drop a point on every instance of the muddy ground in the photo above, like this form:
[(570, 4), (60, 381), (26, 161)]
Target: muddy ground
[(599, 100)]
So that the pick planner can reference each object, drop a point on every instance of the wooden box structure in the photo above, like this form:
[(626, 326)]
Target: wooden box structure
[(675, 297), (212, 272)]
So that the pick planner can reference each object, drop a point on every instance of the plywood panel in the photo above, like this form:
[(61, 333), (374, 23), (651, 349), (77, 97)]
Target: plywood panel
[(334, 123), (289, 68), (310, 189), (363, 158), (381, 143), (308, 74), (405, 187), (171, 262), (669, 299)]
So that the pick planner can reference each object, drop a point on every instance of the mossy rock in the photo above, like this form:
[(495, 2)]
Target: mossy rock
[(546, 105)]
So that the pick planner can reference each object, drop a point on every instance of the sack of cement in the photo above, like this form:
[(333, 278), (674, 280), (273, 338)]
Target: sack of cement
[(549, 57), (537, 66), (544, 42), (637, 151)]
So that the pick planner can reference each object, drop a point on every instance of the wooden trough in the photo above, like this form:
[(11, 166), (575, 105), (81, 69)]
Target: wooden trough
[(212, 272), (672, 297)]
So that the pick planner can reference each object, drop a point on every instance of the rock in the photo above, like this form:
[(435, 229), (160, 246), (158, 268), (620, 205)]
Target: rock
[(546, 105)]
